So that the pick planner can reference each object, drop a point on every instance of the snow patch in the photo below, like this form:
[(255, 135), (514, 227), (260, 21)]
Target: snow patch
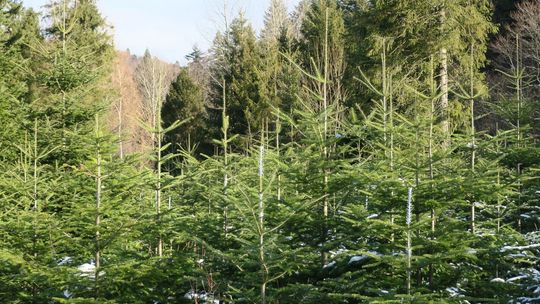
[(204, 296), (455, 292), (517, 278), (67, 294), (89, 270), (532, 246), (523, 300), (357, 258), (64, 261), (330, 265)]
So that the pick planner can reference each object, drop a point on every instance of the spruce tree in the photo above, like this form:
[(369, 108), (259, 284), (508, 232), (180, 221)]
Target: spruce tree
[(237, 62), (185, 101)]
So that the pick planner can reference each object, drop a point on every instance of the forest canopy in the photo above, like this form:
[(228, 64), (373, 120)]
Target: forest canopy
[(352, 151)]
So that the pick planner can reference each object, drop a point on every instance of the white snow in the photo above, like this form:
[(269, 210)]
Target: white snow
[(329, 265), (520, 255), (498, 280), (455, 291), (87, 269), (67, 294), (372, 216), (357, 258), (64, 261), (523, 300), (207, 298), (532, 246), (517, 278)]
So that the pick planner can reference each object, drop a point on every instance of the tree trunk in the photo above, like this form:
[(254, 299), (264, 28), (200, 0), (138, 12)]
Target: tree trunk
[(158, 182), (120, 140), (324, 254), (409, 244), (473, 138), (98, 215), (264, 268), (430, 155), (443, 85)]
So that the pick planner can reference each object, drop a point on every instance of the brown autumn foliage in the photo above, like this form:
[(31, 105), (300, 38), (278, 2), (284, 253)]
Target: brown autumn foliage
[(126, 110), (129, 109)]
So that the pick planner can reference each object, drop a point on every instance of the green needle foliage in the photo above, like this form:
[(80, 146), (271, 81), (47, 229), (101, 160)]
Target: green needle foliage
[(355, 152)]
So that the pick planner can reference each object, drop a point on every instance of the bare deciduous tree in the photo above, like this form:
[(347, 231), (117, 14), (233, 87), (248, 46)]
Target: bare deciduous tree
[(127, 107), (518, 64), (276, 20), (154, 78)]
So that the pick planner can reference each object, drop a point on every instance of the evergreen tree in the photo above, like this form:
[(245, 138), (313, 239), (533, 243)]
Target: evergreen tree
[(20, 30), (237, 62), (185, 101), (323, 34), (276, 21), (69, 68), (438, 35), (340, 158)]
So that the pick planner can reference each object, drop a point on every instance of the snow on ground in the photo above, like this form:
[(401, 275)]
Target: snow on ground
[(205, 297), (87, 269), (455, 292), (526, 300), (517, 278), (531, 246), (64, 261)]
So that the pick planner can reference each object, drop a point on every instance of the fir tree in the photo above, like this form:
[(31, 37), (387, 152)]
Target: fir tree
[(238, 59), (185, 101)]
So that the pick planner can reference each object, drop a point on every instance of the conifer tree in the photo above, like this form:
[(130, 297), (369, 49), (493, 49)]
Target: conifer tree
[(440, 37), (323, 46), (276, 21), (20, 31), (185, 101), (70, 66), (238, 60), (340, 172)]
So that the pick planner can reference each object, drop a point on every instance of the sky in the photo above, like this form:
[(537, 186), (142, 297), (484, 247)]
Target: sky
[(170, 28)]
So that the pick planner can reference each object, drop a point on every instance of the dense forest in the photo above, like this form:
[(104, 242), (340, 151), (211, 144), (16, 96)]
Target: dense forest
[(353, 151)]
